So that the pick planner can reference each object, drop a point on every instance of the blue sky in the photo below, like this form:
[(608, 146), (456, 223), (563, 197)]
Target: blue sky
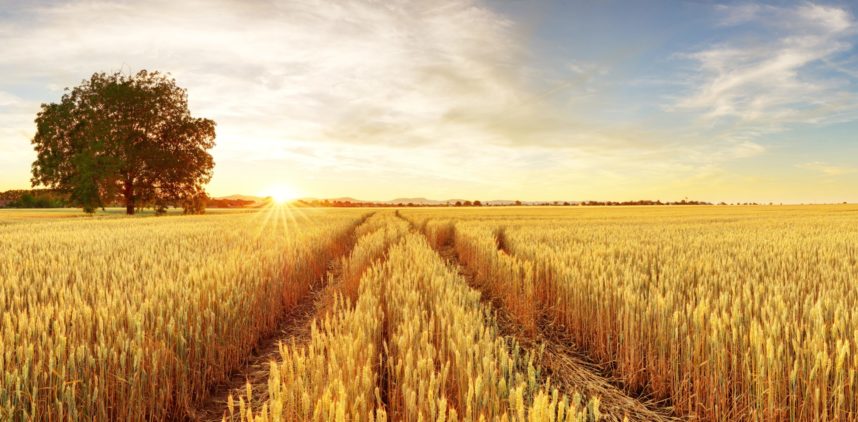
[(733, 101)]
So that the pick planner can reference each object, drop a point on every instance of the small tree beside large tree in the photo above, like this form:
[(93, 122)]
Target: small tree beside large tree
[(128, 138)]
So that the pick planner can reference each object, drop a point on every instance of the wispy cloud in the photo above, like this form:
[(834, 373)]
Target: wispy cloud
[(7, 99), (277, 75), (828, 169), (353, 71), (423, 77), (768, 78)]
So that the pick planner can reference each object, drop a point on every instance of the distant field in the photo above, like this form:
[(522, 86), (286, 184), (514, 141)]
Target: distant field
[(18, 214), (509, 313)]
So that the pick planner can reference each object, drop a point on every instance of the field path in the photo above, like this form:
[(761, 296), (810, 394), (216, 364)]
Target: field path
[(569, 370), (294, 328)]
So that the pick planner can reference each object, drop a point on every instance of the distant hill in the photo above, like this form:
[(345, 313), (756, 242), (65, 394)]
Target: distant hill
[(415, 201), (346, 199), (500, 202), (243, 198)]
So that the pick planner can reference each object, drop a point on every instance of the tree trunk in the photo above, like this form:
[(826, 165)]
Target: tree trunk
[(129, 197)]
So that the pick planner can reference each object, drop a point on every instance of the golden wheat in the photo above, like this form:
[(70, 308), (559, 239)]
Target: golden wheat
[(727, 312), (134, 319), (724, 312), (417, 345)]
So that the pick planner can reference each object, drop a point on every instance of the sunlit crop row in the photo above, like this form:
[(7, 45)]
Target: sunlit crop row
[(135, 319), (335, 376), (416, 345), (725, 313), (445, 357), (722, 313)]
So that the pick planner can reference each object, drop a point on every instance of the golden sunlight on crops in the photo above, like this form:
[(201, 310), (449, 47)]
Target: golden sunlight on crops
[(440, 360), (725, 314), (120, 319), (508, 314)]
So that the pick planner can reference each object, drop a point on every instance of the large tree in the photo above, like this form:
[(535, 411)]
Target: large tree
[(128, 138)]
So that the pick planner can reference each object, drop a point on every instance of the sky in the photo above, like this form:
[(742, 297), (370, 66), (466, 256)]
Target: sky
[(495, 99)]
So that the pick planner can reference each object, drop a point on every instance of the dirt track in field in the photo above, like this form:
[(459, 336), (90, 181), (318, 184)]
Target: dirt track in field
[(569, 370), (294, 328)]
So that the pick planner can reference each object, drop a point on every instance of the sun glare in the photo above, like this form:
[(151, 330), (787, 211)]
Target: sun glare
[(281, 194)]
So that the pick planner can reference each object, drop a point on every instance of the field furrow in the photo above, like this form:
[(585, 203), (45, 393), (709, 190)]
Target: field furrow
[(720, 314), (568, 369), (294, 328), (415, 344), (432, 314)]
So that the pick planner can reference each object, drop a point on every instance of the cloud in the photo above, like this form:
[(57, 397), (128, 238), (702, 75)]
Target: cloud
[(353, 71), (769, 78), (450, 91), (16, 121), (397, 73), (436, 79), (280, 77), (827, 169), (738, 14), (7, 99), (746, 149)]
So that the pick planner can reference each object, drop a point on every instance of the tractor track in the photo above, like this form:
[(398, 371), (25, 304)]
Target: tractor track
[(293, 329), (569, 370)]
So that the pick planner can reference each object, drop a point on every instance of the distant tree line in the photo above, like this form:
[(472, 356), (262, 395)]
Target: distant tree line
[(229, 203), (643, 202), (53, 198), (33, 198), (325, 203), (322, 203), (477, 203)]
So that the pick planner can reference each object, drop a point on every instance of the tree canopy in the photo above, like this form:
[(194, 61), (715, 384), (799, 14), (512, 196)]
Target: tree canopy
[(124, 138)]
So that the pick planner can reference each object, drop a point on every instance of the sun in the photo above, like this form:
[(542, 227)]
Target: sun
[(281, 194)]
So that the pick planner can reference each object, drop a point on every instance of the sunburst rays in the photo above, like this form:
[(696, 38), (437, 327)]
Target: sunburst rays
[(279, 216)]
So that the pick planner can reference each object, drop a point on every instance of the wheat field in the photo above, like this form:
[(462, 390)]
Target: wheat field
[(703, 313), (132, 319), (726, 313)]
